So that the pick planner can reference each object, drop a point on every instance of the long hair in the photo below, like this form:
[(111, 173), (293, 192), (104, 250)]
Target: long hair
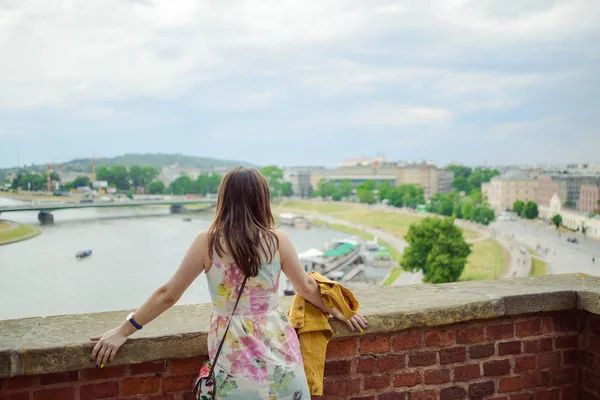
[(243, 225)]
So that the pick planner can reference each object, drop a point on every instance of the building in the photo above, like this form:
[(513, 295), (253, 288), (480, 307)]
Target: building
[(588, 198), (301, 179), (571, 186), (427, 175), (357, 174), (546, 189), (503, 191), (572, 219)]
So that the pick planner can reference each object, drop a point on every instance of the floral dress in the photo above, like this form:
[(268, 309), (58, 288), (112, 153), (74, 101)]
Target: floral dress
[(261, 356)]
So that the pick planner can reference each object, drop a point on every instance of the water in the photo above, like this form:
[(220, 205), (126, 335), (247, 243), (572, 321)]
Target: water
[(135, 250)]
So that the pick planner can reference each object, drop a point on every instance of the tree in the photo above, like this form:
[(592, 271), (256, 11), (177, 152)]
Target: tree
[(180, 185), (147, 175), (81, 181), (466, 208), (364, 192), (274, 176), (345, 188), (518, 207), (156, 187), (325, 188), (135, 172), (483, 215), (461, 184), (286, 189), (557, 220), (531, 210), (436, 247)]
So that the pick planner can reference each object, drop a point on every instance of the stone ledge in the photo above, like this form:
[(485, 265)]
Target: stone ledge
[(60, 343)]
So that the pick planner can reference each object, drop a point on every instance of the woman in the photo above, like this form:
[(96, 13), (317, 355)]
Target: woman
[(261, 356)]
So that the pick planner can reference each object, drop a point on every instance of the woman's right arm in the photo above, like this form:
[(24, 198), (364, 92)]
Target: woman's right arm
[(305, 285)]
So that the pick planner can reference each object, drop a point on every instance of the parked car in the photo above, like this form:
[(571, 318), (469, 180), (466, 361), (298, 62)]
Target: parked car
[(572, 240)]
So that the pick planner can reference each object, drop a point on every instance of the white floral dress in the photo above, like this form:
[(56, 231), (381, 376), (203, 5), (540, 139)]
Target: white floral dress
[(261, 356)]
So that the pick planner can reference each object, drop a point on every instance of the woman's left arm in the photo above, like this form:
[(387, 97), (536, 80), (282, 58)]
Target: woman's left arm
[(161, 300)]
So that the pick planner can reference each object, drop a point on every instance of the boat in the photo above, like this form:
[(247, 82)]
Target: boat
[(84, 253), (295, 220)]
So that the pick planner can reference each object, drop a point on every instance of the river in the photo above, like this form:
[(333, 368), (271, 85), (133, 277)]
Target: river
[(134, 251)]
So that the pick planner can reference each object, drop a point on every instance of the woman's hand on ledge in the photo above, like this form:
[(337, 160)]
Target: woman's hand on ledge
[(357, 323), (107, 346)]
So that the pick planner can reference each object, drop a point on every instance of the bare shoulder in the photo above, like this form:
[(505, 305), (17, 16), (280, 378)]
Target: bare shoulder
[(283, 237)]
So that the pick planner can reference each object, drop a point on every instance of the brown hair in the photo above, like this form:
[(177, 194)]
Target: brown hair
[(243, 225)]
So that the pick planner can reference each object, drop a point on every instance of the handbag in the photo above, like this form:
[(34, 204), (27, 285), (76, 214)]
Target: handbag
[(205, 387)]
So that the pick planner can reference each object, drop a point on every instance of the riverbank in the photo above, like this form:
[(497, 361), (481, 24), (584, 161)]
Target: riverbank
[(33, 196), (11, 232)]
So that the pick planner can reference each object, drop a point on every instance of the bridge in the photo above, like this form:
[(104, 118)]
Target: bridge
[(45, 208)]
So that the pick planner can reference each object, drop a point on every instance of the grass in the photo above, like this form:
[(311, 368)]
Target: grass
[(21, 232), (538, 268), (486, 261), (317, 207), (23, 196), (392, 276), (4, 225)]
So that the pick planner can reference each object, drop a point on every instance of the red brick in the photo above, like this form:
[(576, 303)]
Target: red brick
[(481, 389), (148, 367), (377, 382), (15, 396), (512, 384), (180, 382), (342, 387), (547, 360), (562, 376), (92, 374), (391, 396), (366, 365), (566, 342), (525, 363), (547, 325), (407, 379), (453, 355), (497, 332), (506, 348), (407, 341), (59, 377), (140, 385), (161, 397), (571, 356), (532, 379), (339, 367), (376, 345), (437, 376), (496, 368), (20, 382), (568, 393), (390, 363), (187, 365), (62, 393), (465, 373), (99, 390), (565, 323), (439, 338), (422, 359), (532, 327), (537, 346), (522, 396), (424, 395), (453, 393), (470, 335), (593, 322), (370, 397), (341, 349), (481, 350), (548, 395)]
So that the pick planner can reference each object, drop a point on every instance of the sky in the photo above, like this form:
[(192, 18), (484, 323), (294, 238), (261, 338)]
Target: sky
[(307, 82)]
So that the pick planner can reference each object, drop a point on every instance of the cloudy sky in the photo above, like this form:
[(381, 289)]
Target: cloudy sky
[(301, 81)]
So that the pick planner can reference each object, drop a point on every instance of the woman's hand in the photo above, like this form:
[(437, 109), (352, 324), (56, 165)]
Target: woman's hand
[(107, 346), (356, 323)]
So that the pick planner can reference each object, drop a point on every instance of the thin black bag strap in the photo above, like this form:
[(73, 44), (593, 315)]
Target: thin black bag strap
[(228, 323)]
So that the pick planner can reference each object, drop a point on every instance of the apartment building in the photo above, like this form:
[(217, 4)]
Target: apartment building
[(427, 175), (503, 191)]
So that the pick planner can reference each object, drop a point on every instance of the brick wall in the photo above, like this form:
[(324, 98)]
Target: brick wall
[(534, 357)]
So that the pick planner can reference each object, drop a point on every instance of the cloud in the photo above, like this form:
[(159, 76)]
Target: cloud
[(397, 115)]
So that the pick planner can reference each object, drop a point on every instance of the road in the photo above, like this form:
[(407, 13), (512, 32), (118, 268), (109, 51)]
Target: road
[(563, 257)]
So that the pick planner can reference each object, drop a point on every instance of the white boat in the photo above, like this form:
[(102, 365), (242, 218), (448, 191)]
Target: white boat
[(295, 220)]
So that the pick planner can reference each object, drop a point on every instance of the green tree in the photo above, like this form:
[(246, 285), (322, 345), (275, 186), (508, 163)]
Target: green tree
[(518, 207), (325, 188), (156, 187), (436, 247), (466, 208), (180, 185), (286, 189), (67, 186), (461, 184), (274, 176), (530, 210), (135, 172), (483, 215), (557, 220), (364, 192), (147, 175), (81, 181), (385, 191), (345, 188)]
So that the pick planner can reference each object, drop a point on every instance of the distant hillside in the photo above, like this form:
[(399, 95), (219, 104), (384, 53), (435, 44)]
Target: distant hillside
[(157, 160)]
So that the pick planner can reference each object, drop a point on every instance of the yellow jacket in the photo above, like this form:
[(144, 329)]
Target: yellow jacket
[(313, 329)]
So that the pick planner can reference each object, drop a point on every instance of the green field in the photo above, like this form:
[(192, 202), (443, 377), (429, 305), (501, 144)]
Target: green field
[(538, 268), (392, 276), (4, 225), (486, 261), (317, 207), (21, 232)]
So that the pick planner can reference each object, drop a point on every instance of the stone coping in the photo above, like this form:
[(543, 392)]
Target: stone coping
[(60, 343)]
